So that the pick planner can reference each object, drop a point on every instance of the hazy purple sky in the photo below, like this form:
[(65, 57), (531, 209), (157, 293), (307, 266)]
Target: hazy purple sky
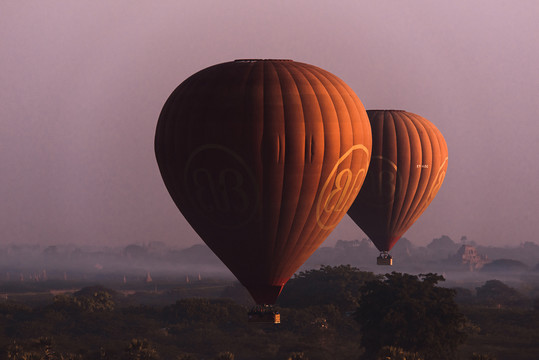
[(82, 84)]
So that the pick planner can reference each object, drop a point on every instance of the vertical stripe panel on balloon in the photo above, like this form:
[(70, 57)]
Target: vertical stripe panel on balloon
[(390, 152), (294, 160), (316, 167), (403, 164), (425, 172), (327, 147), (414, 174), (436, 163), (273, 159), (344, 182), (330, 108), (314, 137)]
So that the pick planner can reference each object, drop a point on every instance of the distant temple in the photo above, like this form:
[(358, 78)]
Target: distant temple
[(467, 255)]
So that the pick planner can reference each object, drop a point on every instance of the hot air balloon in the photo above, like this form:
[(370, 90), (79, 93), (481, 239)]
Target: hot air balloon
[(407, 168), (263, 158)]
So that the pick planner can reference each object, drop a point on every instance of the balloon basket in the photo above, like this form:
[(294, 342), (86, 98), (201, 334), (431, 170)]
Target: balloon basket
[(384, 259), (264, 314)]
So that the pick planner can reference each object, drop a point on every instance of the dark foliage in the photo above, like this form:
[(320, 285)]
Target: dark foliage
[(330, 285), (496, 293), (89, 299), (463, 295), (83, 326), (506, 333), (412, 313), (189, 311)]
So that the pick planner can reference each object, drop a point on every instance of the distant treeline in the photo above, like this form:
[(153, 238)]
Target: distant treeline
[(134, 262)]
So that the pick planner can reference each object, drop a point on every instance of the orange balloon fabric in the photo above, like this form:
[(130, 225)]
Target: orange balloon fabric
[(263, 158), (408, 166)]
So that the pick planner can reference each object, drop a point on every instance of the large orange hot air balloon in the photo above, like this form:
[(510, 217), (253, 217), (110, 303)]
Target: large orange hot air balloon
[(263, 158), (408, 166)]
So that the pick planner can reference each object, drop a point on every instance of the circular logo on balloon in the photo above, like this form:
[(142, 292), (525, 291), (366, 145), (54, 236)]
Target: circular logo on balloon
[(221, 186), (338, 189), (434, 187), (438, 180)]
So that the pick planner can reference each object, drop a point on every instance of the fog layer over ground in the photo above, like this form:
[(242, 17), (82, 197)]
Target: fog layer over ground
[(136, 264)]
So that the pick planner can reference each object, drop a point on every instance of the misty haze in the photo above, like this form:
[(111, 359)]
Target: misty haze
[(463, 263)]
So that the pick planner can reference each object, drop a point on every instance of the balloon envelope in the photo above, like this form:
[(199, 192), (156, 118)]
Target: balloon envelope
[(263, 158), (408, 166)]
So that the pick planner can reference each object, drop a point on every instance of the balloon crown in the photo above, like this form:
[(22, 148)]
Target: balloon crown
[(256, 60), (392, 110)]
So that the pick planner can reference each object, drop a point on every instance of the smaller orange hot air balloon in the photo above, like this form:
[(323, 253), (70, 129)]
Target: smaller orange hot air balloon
[(407, 168)]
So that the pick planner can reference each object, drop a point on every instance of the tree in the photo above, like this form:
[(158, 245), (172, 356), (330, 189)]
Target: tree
[(95, 298), (41, 349), (443, 246), (16, 352), (394, 353), (225, 355), (186, 357), (330, 285), (505, 265), (297, 356), (496, 293), (476, 356), (89, 299), (200, 310), (463, 295), (140, 349), (412, 313)]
